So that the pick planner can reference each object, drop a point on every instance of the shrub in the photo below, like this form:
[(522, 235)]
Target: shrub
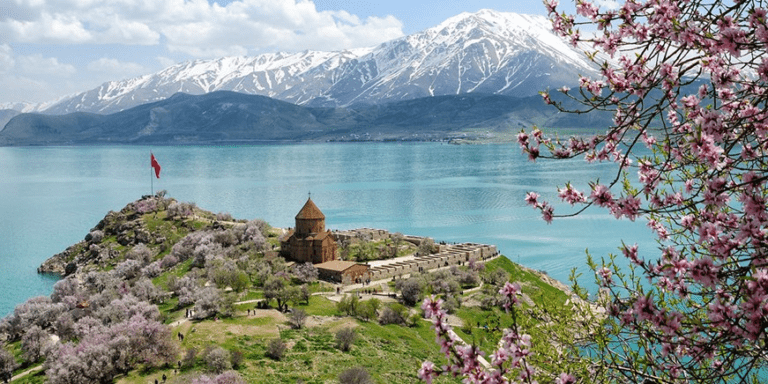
[(393, 314), (122, 309), (64, 326), (224, 216), (67, 287), (356, 375), (145, 206), (305, 294), (496, 277), (237, 358), (426, 246), (152, 270), (207, 302), (451, 304), (34, 344), (276, 349), (128, 269), (169, 261), (218, 360), (140, 253), (348, 304), (260, 225), (225, 238), (7, 364), (305, 273), (469, 279), (297, 318), (365, 311), (181, 210), (410, 290), (189, 359), (228, 377), (145, 290), (345, 337)]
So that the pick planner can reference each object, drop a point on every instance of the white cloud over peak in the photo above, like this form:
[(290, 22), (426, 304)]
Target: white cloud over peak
[(195, 27)]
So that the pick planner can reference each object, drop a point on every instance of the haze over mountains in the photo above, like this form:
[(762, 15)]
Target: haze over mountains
[(484, 53)]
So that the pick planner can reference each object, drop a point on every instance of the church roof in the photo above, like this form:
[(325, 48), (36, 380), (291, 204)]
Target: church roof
[(336, 265), (310, 211)]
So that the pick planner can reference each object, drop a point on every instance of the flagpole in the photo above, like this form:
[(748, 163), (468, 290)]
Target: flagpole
[(151, 181)]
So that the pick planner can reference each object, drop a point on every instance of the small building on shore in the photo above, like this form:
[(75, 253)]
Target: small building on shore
[(339, 271)]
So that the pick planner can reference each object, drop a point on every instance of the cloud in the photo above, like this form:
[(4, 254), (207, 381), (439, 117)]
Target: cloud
[(607, 4), (115, 68), (7, 61), (195, 27), (32, 77), (43, 66), (165, 62), (257, 25)]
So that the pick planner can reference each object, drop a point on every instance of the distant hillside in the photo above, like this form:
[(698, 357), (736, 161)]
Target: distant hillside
[(227, 117), (6, 115)]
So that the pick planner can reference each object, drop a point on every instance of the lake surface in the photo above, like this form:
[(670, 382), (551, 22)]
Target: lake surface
[(51, 197)]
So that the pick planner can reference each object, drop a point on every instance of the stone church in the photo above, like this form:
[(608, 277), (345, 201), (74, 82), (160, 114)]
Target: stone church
[(309, 241)]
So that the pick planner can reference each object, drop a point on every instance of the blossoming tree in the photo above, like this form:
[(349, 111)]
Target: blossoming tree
[(686, 83), (688, 80)]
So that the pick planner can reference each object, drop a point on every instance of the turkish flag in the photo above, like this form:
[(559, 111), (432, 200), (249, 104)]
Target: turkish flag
[(155, 165)]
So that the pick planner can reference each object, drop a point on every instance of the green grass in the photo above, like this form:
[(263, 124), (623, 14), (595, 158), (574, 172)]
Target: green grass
[(319, 306), (179, 270), (530, 283)]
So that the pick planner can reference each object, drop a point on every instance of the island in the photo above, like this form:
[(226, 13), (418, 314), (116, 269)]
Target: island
[(165, 291)]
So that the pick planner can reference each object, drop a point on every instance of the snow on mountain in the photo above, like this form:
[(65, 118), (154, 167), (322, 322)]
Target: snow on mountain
[(25, 107), (484, 52)]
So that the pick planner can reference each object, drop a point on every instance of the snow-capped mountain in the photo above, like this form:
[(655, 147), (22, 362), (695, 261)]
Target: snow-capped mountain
[(485, 52)]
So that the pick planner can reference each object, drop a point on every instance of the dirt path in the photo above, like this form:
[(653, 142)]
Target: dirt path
[(27, 372)]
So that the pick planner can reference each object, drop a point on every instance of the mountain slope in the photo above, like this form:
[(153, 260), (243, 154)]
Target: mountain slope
[(226, 117), (6, 115), (485, 52)]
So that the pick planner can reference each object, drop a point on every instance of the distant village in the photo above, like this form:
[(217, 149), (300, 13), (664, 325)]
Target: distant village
[(310, 242)]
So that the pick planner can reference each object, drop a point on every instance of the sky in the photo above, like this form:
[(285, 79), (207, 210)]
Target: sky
[(53, 48)]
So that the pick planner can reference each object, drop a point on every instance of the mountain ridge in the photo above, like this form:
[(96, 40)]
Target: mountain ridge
[(226, 117), (485, 52)]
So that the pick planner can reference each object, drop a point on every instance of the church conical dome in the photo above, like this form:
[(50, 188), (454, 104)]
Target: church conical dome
[(310, 211)]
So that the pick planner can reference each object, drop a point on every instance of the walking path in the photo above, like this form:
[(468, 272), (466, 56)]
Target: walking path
[(27, 372)]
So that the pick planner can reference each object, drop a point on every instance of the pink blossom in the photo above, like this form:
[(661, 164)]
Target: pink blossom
[(601, 195), (510, 292), (571, 195), (532, 198), (645, 308), (705, 272), (565, 379), (605, 276), (547, 213)]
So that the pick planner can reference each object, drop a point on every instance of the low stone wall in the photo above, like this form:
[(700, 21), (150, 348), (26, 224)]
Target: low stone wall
[(372, 234), (452, 254)]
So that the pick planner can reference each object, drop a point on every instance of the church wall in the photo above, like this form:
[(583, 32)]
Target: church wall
[(307, 226)]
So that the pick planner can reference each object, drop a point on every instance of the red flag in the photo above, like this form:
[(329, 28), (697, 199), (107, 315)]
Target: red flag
[(155, 165)]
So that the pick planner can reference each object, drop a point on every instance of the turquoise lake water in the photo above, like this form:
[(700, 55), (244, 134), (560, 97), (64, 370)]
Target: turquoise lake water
[(51, 197)]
